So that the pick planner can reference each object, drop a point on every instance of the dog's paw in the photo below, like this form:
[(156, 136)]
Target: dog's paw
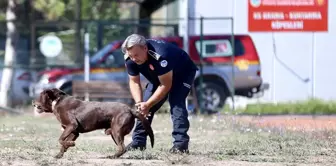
[(58, 156), (112, 157)]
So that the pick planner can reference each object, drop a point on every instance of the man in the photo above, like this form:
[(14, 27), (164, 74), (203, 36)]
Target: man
[(170, 73)]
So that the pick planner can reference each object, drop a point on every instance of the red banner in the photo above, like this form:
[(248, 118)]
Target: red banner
[(287, 15)]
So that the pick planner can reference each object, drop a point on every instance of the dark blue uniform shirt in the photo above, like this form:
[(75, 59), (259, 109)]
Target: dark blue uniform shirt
[(162, 58)]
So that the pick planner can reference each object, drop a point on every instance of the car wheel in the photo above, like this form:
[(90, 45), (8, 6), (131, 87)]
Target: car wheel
[(211, 97)]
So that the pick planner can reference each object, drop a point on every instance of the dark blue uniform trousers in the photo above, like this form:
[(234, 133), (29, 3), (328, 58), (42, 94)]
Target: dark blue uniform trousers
[(179, 114)]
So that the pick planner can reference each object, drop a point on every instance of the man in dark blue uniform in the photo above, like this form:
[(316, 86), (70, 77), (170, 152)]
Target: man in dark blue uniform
[(170, 73)]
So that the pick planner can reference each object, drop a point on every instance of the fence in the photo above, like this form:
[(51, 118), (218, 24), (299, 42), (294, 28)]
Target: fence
[(202, 64), (102, 33), (208, 51)]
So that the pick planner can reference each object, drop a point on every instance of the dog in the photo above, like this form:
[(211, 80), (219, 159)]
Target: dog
[(77, 116)]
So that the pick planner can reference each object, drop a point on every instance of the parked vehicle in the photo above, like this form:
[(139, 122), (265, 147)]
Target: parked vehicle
[(21, 82), (108, 64)]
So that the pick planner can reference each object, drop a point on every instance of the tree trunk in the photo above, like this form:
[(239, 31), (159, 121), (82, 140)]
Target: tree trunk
[(147, 7), (145, 20), (10, 56)]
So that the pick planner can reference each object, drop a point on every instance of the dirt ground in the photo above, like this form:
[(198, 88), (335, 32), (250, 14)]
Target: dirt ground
[(293, 122), (215, 140)]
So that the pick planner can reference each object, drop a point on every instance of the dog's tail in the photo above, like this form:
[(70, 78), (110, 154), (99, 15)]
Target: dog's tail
[(145, 124)]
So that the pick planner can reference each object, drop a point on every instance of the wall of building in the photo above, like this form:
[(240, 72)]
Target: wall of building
[(168, 14), (288, 73)]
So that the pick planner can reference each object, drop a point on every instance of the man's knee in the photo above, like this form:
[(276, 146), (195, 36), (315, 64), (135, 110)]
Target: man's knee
[(179, 111), (180, 116)]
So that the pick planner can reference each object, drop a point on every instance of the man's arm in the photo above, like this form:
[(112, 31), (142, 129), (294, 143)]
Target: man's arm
[(135, 87), (162, 90)]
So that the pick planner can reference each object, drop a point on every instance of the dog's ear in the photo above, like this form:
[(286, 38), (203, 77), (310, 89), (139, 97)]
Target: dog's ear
[(51, 94), (57, 92)]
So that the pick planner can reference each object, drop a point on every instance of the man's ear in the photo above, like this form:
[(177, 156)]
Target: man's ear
[(145, 48)]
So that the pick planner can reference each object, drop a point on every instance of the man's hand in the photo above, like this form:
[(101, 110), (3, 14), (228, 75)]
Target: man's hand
[(143, 108)]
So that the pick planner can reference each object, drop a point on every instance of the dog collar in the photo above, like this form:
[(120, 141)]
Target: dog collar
[(53, 104)]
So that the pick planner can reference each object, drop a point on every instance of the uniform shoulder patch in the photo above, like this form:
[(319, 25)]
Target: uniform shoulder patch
[(163, 63), (155, 55)]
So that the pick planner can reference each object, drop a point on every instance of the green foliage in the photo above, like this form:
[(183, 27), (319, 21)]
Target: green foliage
[(102, 10), (3, 8), (99, 9), (51, 9), (65, 10), (308, 107)]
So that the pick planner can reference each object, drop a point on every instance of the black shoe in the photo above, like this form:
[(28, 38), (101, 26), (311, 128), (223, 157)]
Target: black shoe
[(131, 147), (178, 150)]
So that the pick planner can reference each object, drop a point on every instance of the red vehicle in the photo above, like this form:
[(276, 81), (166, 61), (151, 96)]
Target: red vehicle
[(217, 67)]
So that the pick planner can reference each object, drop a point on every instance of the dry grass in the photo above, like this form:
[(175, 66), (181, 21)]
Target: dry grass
[(218, 140)]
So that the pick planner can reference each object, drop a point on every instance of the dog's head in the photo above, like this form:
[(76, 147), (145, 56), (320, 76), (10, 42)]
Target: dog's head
[(44, 101)]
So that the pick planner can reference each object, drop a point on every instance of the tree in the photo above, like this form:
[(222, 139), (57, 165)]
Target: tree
[(147, 7), (51, 9), (90, 10), (10, 55)]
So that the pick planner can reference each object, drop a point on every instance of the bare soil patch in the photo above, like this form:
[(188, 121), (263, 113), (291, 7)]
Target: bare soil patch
[(293, 122)]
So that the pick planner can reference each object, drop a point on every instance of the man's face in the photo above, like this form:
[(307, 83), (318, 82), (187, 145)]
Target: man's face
[(138, 54)]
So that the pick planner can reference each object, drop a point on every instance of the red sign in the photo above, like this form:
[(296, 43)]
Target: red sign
[(287, 15)]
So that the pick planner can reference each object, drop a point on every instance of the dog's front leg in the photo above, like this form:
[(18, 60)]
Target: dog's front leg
[(67, 131), (71, 137)]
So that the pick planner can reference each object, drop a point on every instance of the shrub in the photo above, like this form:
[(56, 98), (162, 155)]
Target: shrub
[(308, 107)]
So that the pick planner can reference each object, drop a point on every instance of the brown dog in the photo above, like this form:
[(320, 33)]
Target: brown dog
[(77, 116)]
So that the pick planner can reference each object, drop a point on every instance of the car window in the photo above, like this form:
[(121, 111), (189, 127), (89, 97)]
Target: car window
[(116, 59), (97, 56), (2, 57), (219, 48)]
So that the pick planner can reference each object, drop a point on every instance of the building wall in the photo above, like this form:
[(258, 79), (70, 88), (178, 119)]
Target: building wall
[(168, 14), (287, 73)]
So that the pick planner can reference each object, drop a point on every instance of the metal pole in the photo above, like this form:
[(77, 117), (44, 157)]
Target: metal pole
[(78, 17), (186, 29), (232, 63), (87, 61), (100, 34), (201, 67), (273, 76), (186, 34), (32, 31), (313, 72)]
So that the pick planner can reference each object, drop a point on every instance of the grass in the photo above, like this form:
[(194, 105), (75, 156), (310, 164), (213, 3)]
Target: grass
[(307, 107), (215, 140)]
